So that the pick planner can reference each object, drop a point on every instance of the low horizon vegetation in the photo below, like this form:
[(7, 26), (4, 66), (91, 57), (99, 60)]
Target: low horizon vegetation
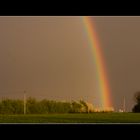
[(44, 106)]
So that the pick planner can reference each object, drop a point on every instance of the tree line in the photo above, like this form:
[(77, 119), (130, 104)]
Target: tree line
[(33, 106)]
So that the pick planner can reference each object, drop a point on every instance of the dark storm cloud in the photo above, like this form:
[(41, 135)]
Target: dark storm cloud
[(45, 56), (48, 57)]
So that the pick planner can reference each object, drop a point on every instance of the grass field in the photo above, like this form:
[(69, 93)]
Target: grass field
[(73, 118)]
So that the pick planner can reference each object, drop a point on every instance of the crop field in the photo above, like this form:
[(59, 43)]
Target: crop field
[(73, 118)]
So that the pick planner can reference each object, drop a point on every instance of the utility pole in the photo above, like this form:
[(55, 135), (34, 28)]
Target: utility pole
[(24, 102), (124, 105)]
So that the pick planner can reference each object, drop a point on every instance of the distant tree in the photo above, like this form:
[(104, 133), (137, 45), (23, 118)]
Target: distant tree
[(83, 103), (137, 97), (136, 107), (75, 107), (32, 106), (10, 106)]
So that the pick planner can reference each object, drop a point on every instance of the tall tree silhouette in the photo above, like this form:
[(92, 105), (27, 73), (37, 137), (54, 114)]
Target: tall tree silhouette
[(136, 107)]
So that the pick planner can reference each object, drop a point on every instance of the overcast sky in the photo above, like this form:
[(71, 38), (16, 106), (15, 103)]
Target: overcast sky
[(48, 57)]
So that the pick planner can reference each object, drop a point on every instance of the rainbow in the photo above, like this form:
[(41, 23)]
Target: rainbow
[(104, 89)]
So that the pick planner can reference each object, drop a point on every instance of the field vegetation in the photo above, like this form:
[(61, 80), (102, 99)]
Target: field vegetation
[(73, 118)]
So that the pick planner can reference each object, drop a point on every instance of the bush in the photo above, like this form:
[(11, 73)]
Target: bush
[(136, 108), (8, 106)]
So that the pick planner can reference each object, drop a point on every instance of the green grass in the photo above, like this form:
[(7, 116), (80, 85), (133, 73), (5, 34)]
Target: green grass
[(73, 118)]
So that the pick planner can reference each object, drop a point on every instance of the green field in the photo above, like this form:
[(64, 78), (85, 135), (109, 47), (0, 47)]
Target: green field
[(73, 118)]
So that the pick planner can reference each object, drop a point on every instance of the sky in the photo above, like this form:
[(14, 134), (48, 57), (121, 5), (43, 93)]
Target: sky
[(49, 58)]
